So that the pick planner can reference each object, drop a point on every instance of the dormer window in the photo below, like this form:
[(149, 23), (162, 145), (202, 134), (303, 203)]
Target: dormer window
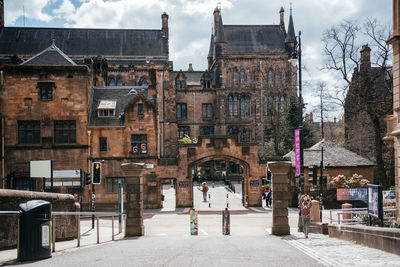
[(206, 84), (181, 84), (106, 108)]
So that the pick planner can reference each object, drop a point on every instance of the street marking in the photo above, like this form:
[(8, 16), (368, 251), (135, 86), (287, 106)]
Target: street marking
[(291, 240), (203, 232), (186, 210), (310, 252)]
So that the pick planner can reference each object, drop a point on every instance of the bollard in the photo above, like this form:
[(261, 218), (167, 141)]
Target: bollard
[(315, 211), (226, 225), (98, 230), (78, 219), (194, 224), (347, 214)]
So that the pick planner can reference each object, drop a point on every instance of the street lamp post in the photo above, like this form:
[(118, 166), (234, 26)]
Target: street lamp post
[(294, 57)]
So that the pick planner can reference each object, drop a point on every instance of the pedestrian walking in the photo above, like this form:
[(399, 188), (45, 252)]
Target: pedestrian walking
[(305, 206), (205, 190), (269, 198), (265, 195)]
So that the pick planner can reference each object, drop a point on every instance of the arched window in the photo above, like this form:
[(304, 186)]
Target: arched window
[(230, 106), (235, 105), (265, 105), (277, 103), (235, 77), (282, 104), (245, 105), (241, 76), (277, 77), (119, 81), (111, 82), (245, 135), (270, 76), (270, 103)]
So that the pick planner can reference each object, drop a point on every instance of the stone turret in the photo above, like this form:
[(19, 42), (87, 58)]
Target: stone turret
[(290, 39)]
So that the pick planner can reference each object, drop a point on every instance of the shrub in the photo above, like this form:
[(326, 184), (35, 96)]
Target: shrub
[(355, 181)]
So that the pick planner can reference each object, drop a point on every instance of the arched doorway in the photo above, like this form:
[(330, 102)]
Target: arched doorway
[(217, 149), (225, 178)]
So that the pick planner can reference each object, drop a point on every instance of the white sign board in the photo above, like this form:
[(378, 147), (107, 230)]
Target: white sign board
[(54, 184), (67, 174), (45, 235), (40, 168)]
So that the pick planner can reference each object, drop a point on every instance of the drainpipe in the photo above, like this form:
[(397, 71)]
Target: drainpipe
[(89, 132), (161, 134), (2, 153)]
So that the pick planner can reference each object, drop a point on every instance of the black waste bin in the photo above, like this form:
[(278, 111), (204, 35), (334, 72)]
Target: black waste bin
[(34, 230)]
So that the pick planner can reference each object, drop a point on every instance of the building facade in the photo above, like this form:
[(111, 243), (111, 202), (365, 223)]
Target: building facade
[(112, 96), (393, 121), (368, 101)]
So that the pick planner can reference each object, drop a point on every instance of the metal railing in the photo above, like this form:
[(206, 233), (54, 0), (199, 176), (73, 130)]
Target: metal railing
[(97, 216), (356, 215), (88, 214)]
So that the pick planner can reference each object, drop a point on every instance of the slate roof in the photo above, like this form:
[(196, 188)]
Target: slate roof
[(84, 42), (254, 39), (123, 95), (334, 156), (51, 56)]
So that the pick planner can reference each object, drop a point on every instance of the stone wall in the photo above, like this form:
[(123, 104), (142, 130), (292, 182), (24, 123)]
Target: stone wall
[(386, 239), (66, 226)]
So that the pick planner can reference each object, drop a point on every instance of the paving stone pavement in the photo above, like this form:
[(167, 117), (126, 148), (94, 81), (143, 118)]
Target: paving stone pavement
[(336, 252)]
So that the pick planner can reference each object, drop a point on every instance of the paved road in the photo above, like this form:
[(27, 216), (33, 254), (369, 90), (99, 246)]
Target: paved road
[(167, 242)]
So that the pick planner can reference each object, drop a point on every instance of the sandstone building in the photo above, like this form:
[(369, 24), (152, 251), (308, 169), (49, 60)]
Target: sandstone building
[(367, 102), (393, 121), (79, 96)]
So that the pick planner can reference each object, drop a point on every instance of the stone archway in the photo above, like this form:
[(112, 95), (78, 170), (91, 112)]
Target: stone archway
[(219, 148), (245, 174)]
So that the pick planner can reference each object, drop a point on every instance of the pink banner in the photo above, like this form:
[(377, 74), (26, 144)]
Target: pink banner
[(297, 150)]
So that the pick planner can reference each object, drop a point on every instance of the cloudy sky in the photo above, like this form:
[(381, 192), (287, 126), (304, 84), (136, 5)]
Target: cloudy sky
[(190, 23)]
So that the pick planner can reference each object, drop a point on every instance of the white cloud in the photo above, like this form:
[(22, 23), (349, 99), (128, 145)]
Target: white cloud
[(190, 24), (33, 9), (66, 9)]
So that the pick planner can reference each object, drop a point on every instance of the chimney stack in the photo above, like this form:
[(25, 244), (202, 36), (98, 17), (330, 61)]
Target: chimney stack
[(164, 18), (190, 67), (365, 56), (282, 18), (216, 20)]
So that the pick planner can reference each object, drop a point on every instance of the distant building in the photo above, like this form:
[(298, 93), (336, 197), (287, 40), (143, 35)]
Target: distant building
[(393, 120), (368, 94), (79, 96), (337, 160)]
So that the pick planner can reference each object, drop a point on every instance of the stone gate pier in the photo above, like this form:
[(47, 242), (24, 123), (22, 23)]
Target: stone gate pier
[(280, 220), (134, 198)]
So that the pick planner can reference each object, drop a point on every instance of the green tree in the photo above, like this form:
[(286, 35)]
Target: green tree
[(292, 122)]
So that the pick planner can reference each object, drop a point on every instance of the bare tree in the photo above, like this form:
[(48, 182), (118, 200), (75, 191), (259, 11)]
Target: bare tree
[(367, 82)]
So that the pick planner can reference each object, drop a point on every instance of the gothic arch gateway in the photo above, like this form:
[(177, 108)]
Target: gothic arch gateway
[(219, 148)]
